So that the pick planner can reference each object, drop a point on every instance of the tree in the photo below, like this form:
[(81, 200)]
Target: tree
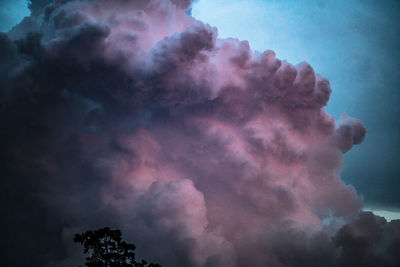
[(107, 249)]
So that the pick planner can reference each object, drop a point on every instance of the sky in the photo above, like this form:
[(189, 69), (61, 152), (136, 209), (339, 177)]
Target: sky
[(277, 147), (12, 12)]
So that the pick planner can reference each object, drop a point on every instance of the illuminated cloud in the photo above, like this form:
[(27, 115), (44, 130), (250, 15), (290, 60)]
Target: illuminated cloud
[(205, 153)]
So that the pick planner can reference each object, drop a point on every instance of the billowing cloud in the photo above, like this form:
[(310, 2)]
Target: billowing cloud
[(205, 153), (349, 132)]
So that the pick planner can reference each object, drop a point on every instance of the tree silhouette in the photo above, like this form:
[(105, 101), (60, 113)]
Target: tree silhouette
[(107, 249)]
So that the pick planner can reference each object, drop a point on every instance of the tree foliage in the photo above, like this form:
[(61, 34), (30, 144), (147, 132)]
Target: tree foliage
[(105, 248)]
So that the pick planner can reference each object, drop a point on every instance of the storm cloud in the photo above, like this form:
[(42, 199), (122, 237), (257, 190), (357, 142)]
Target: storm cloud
[(203, 152)]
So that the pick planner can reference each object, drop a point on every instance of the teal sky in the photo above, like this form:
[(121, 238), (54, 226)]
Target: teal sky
[(12, 12)]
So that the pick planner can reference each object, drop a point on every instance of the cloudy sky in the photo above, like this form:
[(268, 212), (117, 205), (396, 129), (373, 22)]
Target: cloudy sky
[(352, 43), (212, 133), (355, 44)]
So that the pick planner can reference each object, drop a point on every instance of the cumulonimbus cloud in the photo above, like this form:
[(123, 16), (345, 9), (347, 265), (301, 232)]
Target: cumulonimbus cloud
[(204, 152)]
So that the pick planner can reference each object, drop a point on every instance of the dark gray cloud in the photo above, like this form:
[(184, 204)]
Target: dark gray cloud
[(37, 6)]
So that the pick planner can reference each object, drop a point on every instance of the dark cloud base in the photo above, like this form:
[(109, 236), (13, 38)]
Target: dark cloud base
[(133, 114)]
